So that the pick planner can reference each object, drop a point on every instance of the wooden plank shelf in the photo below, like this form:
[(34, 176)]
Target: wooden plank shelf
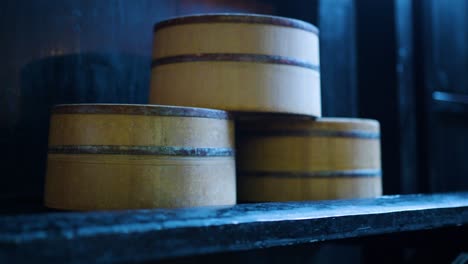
[(145, 235)]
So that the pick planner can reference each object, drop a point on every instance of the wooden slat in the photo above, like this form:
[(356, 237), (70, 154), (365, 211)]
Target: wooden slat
[(136, 236)]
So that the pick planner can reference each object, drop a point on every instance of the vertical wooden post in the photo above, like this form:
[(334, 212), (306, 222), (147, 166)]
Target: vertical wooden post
[(338, 58)]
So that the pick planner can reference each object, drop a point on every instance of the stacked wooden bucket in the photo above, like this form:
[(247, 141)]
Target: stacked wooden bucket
[(261, 72)]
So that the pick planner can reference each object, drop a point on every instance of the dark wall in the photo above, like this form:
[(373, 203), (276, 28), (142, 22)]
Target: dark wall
[(377, 82), (412, 59), (338, 58)]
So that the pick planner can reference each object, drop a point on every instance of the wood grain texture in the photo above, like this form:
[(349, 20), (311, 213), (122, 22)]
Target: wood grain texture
[(230, 36), (123, 161), (165, 236), (238, 86), (102, 182), (242, 63), (271, 189), (130, 130), (291, 159)]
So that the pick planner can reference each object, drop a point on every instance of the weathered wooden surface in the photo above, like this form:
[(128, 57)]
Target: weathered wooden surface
[(284, 159), (158, 234), (120, 156)]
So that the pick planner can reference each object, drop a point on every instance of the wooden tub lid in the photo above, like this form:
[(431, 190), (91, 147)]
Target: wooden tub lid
[(237, 18), (137, 109)]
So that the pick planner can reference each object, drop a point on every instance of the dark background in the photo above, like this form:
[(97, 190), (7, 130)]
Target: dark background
[(402, 62)]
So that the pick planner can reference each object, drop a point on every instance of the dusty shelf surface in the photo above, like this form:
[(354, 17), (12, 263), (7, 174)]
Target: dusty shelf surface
[(144, 235)]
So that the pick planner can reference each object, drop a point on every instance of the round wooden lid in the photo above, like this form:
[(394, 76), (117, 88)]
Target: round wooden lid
[(135, 109), (237, 18), (333, 127)]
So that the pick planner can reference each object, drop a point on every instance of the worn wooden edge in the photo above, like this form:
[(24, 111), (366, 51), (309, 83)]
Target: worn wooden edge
[(328, 120), (360, 173), (349, 120), (237, 18), (142, 150), (286, 123), (249, 116), (309, 133), (235, 57), (147, 110), (148, 235)]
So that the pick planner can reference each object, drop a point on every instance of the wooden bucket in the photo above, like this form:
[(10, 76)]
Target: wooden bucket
[(235, 62), (104, 156), (288, 160)]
